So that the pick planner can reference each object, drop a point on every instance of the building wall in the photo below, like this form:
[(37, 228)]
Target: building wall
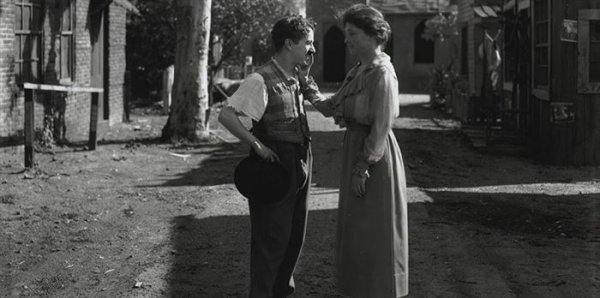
[(465, 19), (415, 77), (578, 142), (412, 77), (324, 13), (117, 20), (11, 109), (571, 143), (76, 107)]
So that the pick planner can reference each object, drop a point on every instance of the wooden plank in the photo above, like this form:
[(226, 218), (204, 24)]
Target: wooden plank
[(584, 85), (93, 122), (568, 66), (589, 14), (594, 141), (45, 87), (583, 73), (29, 128), (127, 97)]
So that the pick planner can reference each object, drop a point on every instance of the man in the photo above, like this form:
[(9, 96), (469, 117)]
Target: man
[(270, 97)]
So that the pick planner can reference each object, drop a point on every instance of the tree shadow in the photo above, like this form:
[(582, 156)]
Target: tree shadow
[(212, 257), (419, 112), (462, 233), (519, 214), (218, 167), (432, 159), (54, 103), (446, 158)]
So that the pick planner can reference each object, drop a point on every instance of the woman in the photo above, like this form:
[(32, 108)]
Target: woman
[(372, 233)]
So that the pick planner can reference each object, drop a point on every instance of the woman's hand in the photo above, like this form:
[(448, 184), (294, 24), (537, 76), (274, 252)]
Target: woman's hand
[(264, 152), (359, 185), (303, 69)]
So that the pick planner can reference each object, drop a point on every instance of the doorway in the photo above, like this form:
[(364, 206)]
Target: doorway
[(334, 55), (99, 65)]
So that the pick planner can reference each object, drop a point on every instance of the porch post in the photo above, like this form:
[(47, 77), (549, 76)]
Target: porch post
[(29, 128), (93, 122)]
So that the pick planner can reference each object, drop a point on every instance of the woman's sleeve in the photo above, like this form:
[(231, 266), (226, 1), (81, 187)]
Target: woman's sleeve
[(383, 108), (311, 93)]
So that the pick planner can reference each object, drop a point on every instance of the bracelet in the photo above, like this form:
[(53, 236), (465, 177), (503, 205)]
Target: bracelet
[(364, 173), (257, 143)]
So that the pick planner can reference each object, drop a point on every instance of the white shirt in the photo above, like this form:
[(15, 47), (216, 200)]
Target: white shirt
[(251, 97)]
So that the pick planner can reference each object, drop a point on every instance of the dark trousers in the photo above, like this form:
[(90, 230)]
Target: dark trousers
[(278, 228)]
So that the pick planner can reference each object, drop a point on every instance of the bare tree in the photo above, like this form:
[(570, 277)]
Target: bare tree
[(188, 116)]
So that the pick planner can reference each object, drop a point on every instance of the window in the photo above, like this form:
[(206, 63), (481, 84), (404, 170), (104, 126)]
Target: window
[(464, 51), (28, 39), (66, 40), (594, 65), (541, 52), (424, 49), (510, 40), (588, 78)]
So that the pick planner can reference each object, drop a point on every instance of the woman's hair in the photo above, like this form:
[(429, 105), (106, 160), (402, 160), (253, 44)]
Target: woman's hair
[(369, 20), (292, 27)]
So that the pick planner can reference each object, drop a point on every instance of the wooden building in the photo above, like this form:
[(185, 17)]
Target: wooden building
[(61, 42), (550, 74), (565, 82)]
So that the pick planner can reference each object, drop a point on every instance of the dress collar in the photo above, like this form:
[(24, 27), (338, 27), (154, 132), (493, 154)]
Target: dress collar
[(380, 59)]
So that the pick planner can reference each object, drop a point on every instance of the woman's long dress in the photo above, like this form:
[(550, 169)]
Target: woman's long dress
[(372, 232)]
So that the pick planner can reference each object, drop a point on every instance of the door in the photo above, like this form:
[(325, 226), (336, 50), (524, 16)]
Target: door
[(334, 56), (99, 65)]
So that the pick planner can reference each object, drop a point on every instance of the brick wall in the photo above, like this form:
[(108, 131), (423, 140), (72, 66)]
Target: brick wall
[(77, 106), (116, 43), (11, 110), (77, 112)]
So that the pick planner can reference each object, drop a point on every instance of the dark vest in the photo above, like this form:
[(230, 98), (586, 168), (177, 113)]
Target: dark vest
[(284, 118)]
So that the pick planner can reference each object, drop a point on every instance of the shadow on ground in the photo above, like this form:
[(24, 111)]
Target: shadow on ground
[(212, 254), (212, 257), (563, 216), (432, 158)]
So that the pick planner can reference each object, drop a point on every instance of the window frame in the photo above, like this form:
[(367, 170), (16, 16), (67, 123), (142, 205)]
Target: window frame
[(584, 86), (541, 91), (66, 61), (464, 50), (28, 34)]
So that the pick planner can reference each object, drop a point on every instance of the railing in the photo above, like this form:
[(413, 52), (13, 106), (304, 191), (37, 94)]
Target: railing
[(29, 113)]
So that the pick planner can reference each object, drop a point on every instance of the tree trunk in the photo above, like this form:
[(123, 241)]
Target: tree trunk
[(188, 116)]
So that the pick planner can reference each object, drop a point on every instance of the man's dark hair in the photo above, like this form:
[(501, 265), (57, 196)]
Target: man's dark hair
[(293, 27)]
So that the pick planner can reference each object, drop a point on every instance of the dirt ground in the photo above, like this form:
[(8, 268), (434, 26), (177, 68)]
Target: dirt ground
[(140, 218)]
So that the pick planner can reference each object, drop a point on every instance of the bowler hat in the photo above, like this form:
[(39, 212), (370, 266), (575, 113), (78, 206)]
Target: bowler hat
[(261, 181)]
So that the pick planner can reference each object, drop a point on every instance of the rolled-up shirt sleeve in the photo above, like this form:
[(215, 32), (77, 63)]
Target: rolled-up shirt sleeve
[(251, 97)]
